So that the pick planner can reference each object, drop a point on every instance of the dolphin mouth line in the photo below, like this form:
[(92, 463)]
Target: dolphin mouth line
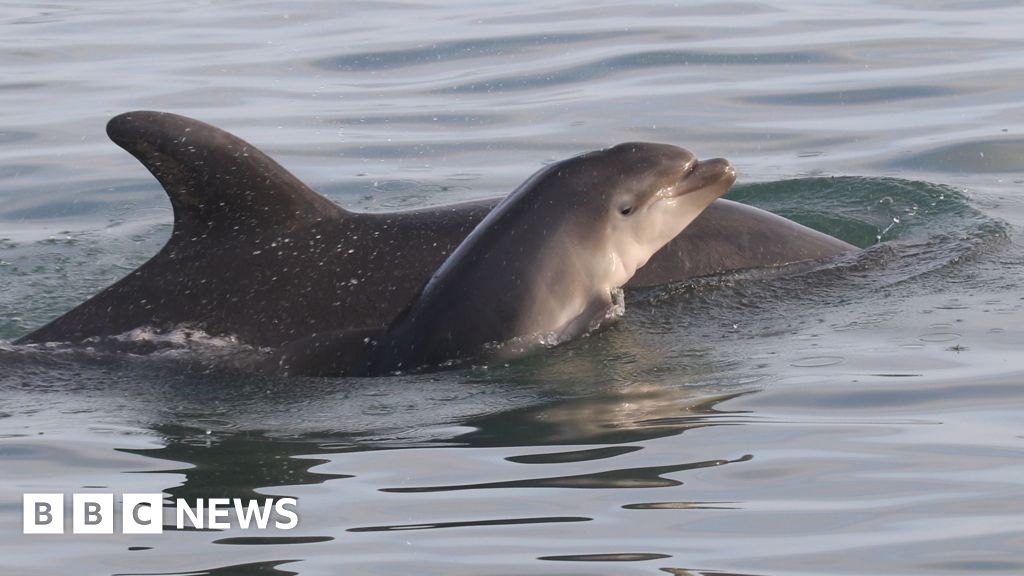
[(698, 176)]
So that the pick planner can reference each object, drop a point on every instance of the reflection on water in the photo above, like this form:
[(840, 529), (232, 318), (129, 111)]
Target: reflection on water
[(253, 569), (212, 444), (646, 477), (232, 465), (624, 414), (478, 523), (252, 465)]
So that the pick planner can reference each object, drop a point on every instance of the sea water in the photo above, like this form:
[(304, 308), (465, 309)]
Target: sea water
[(862, 416)]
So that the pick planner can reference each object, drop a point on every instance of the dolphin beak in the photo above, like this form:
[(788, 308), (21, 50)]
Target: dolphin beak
[(716, 172)]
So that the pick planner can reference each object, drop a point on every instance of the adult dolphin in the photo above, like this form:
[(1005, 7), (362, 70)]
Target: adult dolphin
[(257, 254), (543, 267)]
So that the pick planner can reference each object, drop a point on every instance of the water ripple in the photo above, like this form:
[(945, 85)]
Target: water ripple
[(994, 156), (604, 67), (642, 477), (607, 557), (446, 51), (502, 522), (853, 97)]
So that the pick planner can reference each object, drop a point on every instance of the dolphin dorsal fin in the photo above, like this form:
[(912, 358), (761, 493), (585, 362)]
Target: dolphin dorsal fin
[(216, 181)]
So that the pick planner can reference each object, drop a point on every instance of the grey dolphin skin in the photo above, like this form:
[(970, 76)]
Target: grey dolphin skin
[(256, 254), (541, 268)]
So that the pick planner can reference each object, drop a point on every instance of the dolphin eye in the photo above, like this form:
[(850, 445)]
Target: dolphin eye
[(626, 210)]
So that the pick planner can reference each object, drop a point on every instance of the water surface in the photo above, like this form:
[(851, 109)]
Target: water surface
[(858, 417)]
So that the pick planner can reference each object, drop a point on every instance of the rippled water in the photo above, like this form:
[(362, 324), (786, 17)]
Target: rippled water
[(859, 417)]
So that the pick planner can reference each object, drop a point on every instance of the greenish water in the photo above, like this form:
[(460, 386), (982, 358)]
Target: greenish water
[(862, 416)]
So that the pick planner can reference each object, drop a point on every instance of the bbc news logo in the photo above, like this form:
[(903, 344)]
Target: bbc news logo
[(94, 513)]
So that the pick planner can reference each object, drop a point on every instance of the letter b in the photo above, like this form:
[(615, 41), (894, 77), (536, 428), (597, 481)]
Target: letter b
[(43, 513), (92, 514)]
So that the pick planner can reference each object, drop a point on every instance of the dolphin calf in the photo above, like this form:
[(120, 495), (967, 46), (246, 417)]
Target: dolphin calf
[(544, 266), (258, 255)]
